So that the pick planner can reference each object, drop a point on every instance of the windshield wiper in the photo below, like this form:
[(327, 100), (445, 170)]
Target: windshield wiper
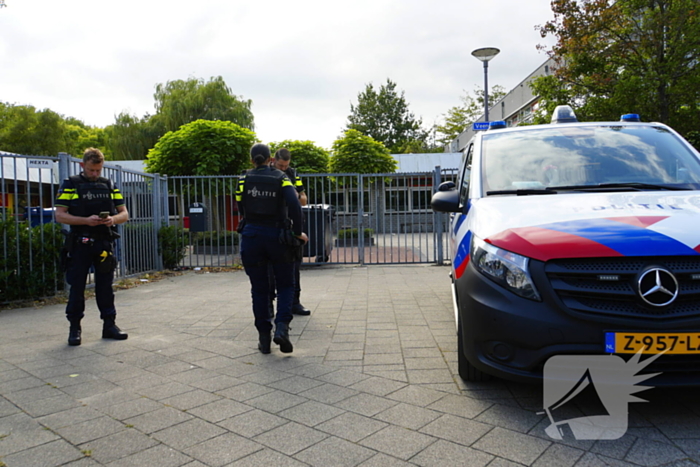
[(553, 190), (523, 192), (635, 185), (642, 186)]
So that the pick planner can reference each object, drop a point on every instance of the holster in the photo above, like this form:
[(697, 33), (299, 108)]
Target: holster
[(108, 262), (294, 251), (241, 225)]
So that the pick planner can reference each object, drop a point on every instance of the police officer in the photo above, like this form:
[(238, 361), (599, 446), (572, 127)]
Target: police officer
[(92, 206), (266, 198), (281, 162)]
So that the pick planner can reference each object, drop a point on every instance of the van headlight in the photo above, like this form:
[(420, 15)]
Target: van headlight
[(503, 267)]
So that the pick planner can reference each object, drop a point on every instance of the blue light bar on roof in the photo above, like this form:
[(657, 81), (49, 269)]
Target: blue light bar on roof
[(630, 118)]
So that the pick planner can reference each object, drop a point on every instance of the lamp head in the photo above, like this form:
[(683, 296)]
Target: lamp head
[(486, 53)]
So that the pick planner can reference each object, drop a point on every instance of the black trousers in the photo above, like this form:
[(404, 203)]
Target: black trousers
[(84, 256), (297, 283), (260, 250)]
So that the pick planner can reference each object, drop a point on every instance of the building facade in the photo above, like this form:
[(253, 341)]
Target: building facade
[(516, 107)]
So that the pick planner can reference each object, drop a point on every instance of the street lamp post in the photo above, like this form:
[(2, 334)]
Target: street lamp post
[(485, 54)]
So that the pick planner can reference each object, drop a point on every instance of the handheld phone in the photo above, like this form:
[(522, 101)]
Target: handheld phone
[(104, 214)]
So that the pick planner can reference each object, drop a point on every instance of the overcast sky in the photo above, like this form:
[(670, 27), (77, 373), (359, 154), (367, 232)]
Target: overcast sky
[(302, 62)]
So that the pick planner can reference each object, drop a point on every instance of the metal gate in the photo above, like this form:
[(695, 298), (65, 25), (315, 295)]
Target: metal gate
[(29, 238), (350, 218)]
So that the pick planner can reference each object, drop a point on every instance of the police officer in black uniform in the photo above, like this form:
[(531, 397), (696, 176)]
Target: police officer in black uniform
[(281, 162), (267, 198), (92, 206)]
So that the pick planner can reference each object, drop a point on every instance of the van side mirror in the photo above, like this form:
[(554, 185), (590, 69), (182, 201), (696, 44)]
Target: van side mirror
[(446, 199)]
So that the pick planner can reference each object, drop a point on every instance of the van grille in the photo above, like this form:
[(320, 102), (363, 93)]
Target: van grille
[(578, 284)]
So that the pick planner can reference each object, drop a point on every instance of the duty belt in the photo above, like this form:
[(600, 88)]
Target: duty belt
[(86, 240)]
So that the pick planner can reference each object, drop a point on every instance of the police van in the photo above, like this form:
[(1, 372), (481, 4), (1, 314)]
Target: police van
[(575, 238)]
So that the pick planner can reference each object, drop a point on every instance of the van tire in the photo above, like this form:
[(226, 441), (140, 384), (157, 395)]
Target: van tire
[(466, 370)]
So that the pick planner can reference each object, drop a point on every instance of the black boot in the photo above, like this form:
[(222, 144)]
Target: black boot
[(111, 331), (264, 342), (282, 338), (298, 309), (74, 334)]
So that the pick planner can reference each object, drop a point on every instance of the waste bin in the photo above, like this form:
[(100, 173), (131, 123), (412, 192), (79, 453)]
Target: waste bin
[(318, 220), (38, 216), (198, 217)]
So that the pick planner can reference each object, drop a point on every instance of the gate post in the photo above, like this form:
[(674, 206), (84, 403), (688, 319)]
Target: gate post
[(63, 173), (437, 218), (63, 166), (158, 223), (360, 220), (122, 267)]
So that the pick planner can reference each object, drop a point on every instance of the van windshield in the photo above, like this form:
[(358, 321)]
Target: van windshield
[(574, 156)]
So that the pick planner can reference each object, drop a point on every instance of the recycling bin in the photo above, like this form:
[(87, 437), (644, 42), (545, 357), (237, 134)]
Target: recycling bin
[(38, 216)]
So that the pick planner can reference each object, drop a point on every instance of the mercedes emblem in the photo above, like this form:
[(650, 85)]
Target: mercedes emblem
[(658, 286)]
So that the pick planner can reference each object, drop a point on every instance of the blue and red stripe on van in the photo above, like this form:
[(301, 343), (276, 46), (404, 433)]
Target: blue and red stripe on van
[(589, 238)]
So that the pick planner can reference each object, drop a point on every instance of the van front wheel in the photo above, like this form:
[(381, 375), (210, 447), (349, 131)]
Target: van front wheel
[(466, 370)]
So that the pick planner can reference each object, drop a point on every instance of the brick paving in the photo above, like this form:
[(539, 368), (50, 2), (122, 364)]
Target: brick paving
[(371, 382)]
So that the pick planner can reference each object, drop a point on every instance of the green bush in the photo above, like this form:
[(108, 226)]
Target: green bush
[(354, 233), (172, 246), (29, 260), (213, 238)]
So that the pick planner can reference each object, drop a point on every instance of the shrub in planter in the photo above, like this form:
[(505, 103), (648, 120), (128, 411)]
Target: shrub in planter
[(214, 238), (213, 242), (349, 237), (354, 233), (172, 245)]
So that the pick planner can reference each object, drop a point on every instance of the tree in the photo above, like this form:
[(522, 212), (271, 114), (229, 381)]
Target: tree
[(384, 116), (81, 136), (357, 153), (460, 117), (202, 147), (179, 102), (25, 130), (130, 137), (693, 138), (616, 57), (306, 156)]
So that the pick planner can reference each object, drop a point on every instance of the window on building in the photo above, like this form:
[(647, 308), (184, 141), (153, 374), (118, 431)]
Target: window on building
[(408, 194)]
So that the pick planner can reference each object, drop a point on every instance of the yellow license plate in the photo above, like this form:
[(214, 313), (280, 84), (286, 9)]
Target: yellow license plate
[(653, 342)]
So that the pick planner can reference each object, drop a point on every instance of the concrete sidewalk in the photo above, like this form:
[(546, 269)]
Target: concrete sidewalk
[(371, 382)]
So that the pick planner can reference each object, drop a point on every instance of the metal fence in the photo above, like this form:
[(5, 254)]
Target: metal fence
[(350, 218), (29, 235)]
